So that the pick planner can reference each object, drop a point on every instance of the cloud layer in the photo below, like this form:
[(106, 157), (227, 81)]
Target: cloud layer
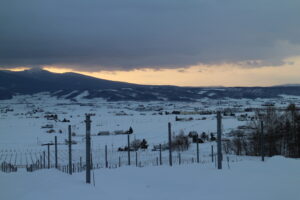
[(128, 34)]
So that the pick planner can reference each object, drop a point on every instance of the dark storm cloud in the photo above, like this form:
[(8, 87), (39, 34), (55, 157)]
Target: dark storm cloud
[(125, 34)]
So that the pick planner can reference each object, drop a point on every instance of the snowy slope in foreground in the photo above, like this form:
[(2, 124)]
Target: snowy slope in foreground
[(276, 179)]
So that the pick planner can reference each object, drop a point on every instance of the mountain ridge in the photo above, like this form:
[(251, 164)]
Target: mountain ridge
[(39, 80)]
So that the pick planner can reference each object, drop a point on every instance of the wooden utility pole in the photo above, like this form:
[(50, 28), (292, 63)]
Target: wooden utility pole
[(88, 147), (48, 148), (56, 159), (70, 149), (219, 138), (170, 144), (56, 150), (262, 145)]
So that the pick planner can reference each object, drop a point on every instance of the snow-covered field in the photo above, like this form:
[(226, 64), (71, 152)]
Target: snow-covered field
[(276, 179), (23, 117), (22, 136)]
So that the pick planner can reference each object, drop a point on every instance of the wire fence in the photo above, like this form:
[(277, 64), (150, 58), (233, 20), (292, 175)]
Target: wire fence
[(71, 160), (32, 160)]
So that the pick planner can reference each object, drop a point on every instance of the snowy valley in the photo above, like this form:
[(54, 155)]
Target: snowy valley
[(28, 122)]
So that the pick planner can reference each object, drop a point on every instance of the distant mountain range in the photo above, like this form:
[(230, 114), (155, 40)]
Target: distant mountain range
[(70, 85)]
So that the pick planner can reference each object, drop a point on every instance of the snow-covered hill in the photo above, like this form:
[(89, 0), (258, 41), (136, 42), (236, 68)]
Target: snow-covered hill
[(71, 85)]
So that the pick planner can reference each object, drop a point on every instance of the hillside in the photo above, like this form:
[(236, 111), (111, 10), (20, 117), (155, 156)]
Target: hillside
[(71, 85)]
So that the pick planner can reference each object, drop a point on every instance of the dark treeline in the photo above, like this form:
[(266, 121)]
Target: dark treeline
[(281, 134)]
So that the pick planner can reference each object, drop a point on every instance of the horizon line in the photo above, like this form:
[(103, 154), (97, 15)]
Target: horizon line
[(174, 85)]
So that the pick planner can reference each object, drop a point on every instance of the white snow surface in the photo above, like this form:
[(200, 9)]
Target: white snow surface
[(22, 134), (276, 179)]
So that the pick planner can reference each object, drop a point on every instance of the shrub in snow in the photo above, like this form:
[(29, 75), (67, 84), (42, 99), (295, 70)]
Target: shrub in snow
[(139, 144), (212, 137), (180, 142)]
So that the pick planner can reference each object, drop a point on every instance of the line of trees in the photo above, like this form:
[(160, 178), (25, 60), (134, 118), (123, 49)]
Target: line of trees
[(281, 135)]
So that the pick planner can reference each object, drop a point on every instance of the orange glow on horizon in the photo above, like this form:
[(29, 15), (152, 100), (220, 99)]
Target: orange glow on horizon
[(200, 75), (17, 69), (203, 75)]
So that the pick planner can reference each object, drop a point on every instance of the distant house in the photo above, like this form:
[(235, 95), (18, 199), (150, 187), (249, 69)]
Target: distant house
[(103, 133), (51, 131), (51, 117), (65, 120), (47, 126)]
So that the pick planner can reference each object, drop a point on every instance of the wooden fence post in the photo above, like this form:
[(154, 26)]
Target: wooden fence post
[(56, 159), (128, 145), (212, 153), (160, 156), (198, 158), (106, 162), (44, 158), (136, 158), (170, 144), (48, 156), (41, 161), (80, 162)]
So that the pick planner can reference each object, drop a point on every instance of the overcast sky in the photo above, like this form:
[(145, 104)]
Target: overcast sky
[(97, 35)]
